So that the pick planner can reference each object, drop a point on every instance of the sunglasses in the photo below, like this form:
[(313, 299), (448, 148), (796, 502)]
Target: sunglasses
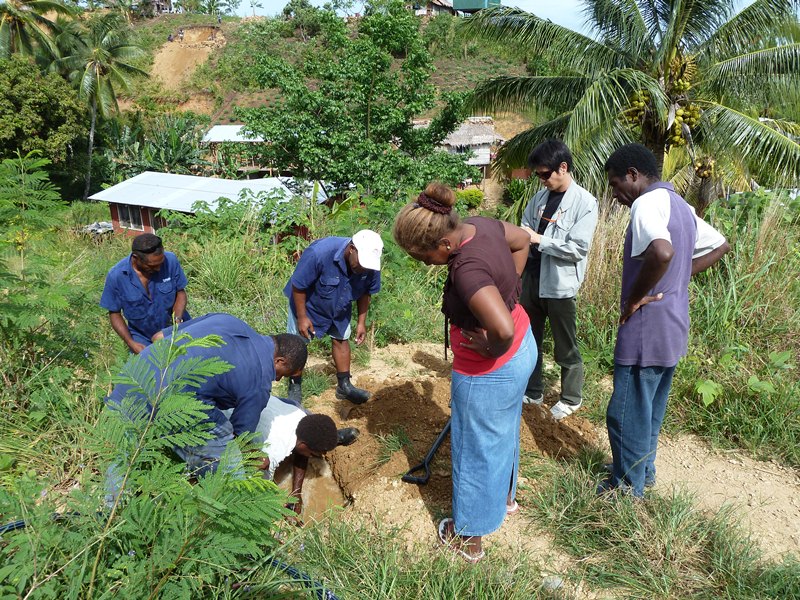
[(545, 175)]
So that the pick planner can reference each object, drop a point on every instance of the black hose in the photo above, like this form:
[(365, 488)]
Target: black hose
[(13, 526), (322, 593)]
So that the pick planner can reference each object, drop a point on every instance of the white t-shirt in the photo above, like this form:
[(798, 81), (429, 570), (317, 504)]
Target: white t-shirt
[(650, 217), (277, 426)]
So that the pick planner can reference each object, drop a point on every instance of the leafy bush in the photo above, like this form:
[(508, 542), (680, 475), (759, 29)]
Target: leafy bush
[(747, 209), (39, 307), (516, 196), (161, 536), (472, 197), (37, 112), (167, 143)]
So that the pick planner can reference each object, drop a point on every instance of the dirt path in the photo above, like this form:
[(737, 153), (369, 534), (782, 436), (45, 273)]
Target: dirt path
[(175, 61), (765, 495), (410, 386)]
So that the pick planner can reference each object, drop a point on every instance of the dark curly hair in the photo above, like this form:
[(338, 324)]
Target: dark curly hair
[(636, 156), (293, 348), (318, 432)]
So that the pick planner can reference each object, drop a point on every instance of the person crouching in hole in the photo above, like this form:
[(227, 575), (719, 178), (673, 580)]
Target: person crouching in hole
[(494, 353), (289, 430)]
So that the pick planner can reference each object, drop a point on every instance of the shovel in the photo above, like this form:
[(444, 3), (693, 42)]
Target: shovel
[(426, 462)]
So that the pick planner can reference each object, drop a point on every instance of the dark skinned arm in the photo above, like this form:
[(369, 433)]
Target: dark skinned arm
[(361, 326), (119, 325), (180, 306), (304, 324), (655, 260), (701, 263), (299, 466), (519, 243), (497, 334)]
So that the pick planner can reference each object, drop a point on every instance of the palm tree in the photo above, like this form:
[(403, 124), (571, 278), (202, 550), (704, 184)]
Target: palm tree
[(24, 28), (683, 77), (96, 60)]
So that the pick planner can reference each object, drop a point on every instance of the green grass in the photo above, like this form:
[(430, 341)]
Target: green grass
[(663, 547), (372, 561), (390, 443)]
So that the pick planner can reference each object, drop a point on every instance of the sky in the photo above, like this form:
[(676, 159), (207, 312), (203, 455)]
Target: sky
[(563, 12)]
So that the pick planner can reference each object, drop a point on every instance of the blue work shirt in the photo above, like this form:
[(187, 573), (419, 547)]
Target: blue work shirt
[(145, 313), (330, 290), (245, 388)]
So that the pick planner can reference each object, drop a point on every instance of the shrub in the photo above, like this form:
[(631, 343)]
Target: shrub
[(161, 537), (472, 197)]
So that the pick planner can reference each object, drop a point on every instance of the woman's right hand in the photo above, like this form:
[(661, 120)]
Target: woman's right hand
[(477, 341)]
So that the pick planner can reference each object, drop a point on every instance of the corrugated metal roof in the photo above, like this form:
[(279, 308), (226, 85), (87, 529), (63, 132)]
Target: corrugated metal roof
[(472, 132), (228, 133), (180, 192)]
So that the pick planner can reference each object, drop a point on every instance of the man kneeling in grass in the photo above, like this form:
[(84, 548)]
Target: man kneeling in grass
[(666, 243), (289, 430), (256, 360)]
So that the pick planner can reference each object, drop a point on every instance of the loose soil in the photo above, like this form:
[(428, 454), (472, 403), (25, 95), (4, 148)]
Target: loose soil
[(175, 62), (410, 399)]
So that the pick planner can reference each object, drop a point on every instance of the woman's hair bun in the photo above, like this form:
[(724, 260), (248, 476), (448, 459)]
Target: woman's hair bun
[(440, 193)]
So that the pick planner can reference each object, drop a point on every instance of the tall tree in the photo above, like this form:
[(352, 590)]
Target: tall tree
[(345, 114), (98, 63), (683, 77), (24, 26), (38, 111)]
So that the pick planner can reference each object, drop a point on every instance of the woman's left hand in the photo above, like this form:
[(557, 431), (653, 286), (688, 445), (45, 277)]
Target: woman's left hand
[(476, 340)]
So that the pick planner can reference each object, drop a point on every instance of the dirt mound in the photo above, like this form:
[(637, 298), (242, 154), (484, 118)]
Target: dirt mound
[(175, 62), (416, 411), (412, 404)]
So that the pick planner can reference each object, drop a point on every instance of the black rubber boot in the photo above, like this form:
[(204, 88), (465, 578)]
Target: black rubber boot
[(346, 436), (295, 393), (347, 391)]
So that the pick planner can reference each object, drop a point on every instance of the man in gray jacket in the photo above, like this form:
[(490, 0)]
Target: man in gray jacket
[(560, 220)]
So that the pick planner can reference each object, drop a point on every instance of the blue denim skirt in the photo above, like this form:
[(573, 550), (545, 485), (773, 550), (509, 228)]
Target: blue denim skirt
[(486, 411)]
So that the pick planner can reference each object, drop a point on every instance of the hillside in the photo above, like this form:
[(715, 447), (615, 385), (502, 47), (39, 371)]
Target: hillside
[(209, 72)]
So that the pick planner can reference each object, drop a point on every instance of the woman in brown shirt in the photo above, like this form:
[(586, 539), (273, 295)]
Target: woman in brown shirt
[(493, 355)]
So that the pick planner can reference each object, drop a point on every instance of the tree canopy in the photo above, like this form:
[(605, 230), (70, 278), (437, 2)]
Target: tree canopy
[(345, 113), (692, 80), (96, 57), (37, 111)]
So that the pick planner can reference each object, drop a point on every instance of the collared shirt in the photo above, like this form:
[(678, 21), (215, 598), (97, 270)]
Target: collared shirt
[(245, 388), (145, 313), (564, 245), (330, 290)]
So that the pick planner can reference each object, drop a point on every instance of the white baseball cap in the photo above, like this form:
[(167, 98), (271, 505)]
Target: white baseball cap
[(370, 246)]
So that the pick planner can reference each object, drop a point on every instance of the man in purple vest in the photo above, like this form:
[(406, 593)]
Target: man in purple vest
[(665, 244)]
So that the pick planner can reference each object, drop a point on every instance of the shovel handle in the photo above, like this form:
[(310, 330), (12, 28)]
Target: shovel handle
[(426, 463), (419, 480)]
